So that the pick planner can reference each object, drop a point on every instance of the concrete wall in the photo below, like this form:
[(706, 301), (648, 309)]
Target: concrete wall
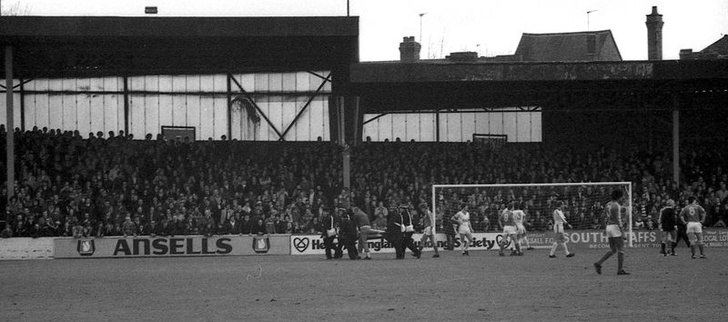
[(26, 248)]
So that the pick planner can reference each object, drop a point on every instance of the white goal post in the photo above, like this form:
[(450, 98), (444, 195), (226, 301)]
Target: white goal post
[(542, 195)]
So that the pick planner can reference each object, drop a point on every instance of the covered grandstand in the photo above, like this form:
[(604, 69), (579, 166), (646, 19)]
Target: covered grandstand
[(217, 74)]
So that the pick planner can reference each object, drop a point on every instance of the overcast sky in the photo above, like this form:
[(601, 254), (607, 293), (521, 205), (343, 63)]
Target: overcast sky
[(489, 27)]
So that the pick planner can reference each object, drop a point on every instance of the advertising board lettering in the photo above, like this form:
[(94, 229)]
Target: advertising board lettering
[(171, 246)]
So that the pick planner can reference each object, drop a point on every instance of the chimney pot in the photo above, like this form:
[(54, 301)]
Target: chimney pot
[(409, 50), (654, 35)]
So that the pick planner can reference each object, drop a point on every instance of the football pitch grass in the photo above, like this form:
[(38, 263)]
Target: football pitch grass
[(482, 286)]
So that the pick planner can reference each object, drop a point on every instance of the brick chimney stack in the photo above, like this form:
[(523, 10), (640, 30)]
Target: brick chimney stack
[(654, 35), (409, 50)]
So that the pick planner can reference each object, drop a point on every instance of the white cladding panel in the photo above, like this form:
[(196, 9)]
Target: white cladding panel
[(281, 110), (427, 127), (510, 126), (97, 104), (536, 127), (16, 110), (524, 129), (454, 127)]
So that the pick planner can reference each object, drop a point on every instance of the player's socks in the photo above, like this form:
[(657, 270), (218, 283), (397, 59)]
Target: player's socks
[(553, 249), (701, 250), (566, 249), (662, 246), (605, 257), (620, 262), (692, 250)]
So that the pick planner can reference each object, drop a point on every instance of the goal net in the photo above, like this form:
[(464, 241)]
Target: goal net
[(493, 142), (582, 203)]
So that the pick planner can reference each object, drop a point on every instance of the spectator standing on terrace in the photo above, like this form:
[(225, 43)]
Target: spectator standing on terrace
[(129, 228), (380, 214), (258, 228), (6, 232), (246, 225)]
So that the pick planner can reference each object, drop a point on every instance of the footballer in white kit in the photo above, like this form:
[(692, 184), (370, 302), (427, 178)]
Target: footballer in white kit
[(559, 238), (519, 216), (464, 229)]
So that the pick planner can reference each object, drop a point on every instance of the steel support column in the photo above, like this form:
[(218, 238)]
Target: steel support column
[(229, 97), (358, 118), (676, 139), (10, 112), (437, 126), (22, 104), (126, 105), (346, 153)]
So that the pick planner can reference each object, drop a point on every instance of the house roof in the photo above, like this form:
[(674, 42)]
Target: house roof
[(719, 47), (570, 46)]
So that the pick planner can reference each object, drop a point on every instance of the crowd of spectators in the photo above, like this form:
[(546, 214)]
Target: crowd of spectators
[(112, 185)]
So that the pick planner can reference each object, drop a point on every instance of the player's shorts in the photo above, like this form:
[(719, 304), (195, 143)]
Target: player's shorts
[(695, 228), (520, 229), (427, 231), (559, 228), (464, 229), (509, 230), (613, 231), (668, 228)]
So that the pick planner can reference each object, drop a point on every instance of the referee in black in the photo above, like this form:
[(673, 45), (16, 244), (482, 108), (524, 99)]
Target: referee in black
[(667, 222), (682, 233), (409, 230)]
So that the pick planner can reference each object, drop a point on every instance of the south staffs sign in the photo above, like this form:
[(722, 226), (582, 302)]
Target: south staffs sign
[(226, 245)]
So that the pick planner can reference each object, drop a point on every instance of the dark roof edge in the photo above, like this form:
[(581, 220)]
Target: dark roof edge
[(156, 26), (568, 33)]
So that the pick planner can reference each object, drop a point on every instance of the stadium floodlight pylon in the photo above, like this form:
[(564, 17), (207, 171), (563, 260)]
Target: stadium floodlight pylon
[(583, 202)]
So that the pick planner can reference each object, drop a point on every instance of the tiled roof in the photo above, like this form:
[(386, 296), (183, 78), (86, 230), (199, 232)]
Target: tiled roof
[(574, 46), (719, 47)]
